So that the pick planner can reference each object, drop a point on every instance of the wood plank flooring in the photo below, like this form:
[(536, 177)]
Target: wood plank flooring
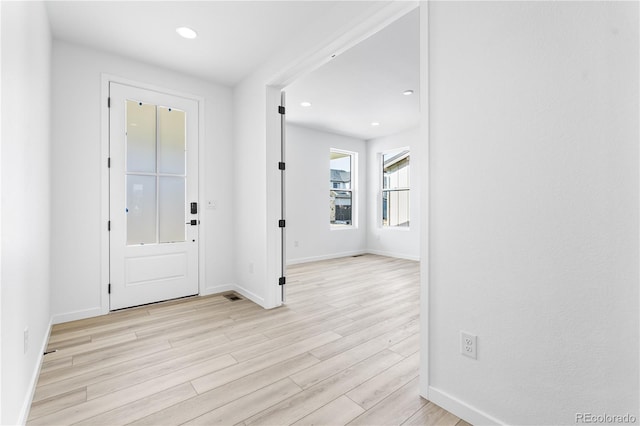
[(344, 350)]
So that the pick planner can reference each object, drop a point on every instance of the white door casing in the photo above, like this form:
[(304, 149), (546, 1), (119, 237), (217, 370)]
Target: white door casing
[(283, 192), (153, 179)]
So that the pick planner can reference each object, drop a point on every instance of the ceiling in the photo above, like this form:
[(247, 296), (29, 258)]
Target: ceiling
[(364, 85), (236, 37)]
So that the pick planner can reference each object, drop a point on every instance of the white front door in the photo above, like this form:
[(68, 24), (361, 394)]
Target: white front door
[(153, 181)]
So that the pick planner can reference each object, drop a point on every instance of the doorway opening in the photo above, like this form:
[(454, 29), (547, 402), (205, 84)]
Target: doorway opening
[(420, 195), (343, 121)]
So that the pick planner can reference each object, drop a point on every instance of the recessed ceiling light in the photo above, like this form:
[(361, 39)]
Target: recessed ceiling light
[(408, 92), (186, 32), (375, 123), (305, 104)]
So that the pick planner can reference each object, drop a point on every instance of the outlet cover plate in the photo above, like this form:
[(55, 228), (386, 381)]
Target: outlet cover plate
[(468, 345), (26, 340)]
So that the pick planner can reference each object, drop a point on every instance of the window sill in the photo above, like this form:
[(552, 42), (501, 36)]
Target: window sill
[(396, 228), (342, 227)]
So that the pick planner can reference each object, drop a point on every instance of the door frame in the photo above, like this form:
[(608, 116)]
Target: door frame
[(376, 22), (104, 178)]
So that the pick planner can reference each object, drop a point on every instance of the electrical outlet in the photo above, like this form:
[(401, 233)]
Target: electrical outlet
[(26, 339), (211, 204), (296, 244), (469, 345), (251, 267)]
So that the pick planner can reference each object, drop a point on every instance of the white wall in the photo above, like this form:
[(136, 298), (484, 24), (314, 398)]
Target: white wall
[(534, 209), (26, 89), (308, 197), (307, 222), (251, 191), (393, 241), (77, 169)]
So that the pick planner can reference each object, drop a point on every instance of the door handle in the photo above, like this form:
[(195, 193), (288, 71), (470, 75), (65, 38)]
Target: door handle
[(192, 222)]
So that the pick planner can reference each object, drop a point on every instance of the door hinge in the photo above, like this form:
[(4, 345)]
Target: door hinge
[(281, 109), (281, 223), (109, 162), (282, 280), (109, 288), (281, 165), (109, 226), (109, 102)]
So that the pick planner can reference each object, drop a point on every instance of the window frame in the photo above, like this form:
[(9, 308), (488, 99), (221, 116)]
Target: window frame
[(383, 190), (352, 190)]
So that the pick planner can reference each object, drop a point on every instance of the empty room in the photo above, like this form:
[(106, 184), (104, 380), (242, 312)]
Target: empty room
[(319, 212)]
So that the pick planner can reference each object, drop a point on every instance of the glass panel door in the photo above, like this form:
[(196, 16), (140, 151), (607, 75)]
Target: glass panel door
[(153, 178)]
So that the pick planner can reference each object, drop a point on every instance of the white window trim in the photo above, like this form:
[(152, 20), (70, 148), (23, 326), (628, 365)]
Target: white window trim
[(353, 190), (381, 191)]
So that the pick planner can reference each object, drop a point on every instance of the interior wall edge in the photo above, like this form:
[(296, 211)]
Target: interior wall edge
[(26, 407), (252, 296)]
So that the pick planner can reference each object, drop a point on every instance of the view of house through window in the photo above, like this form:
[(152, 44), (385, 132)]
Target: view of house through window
[(341, 192), (395, 188)]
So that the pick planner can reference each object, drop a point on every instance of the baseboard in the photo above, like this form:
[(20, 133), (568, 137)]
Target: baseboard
[(218, 289), (250, 295), (461, 409), (396, 255), (77, 315), (325, 257), (352, 253), (234, 287), (94, 312), (26, 407), (238, 289)]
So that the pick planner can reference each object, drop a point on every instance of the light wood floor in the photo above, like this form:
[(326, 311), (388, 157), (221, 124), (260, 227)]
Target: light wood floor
[(343, 351)]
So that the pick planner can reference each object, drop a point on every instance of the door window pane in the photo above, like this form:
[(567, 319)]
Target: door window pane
[(171, 141), (141, 209), (171, 206), (141, 137)]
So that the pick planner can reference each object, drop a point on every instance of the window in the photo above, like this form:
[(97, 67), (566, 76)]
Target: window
[(395, 189), (341, 165)]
